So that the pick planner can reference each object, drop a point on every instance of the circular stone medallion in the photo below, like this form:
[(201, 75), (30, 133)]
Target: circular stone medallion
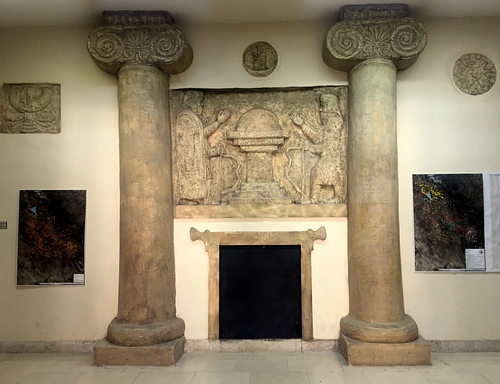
[(260, 59), (474, 74)]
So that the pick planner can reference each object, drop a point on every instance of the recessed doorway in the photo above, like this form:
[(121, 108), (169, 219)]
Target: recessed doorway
[(214, 240), (260, 292)]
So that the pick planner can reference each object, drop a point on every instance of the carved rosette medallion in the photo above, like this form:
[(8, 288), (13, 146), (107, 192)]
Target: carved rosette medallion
[(474, 74), (260, 59), (137, 38), (374, 31)]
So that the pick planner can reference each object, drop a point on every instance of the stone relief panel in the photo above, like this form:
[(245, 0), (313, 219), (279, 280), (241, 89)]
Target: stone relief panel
[(31, 108), (258, 146)]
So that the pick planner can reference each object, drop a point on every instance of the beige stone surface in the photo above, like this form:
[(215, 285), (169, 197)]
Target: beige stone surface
[(143, 48), (147, 280), (372, 42), (474, 74), (260, 59), (30, 108), (260, 211), (164, 354), (139, 37), (259, 146), (375, 283), (356, 352), (374, 30), (213, 241)]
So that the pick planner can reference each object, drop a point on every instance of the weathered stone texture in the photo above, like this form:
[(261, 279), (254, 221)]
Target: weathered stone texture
[(31, 108), (370, 31), (143, 48), (140, 38), (260, 146), (260, 59), (474, 74), (164, 354), (372, 42), (417, 352)]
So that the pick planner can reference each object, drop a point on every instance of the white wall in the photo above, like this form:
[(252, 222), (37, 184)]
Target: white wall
[(83, 156), (440, 130), (218, 53)]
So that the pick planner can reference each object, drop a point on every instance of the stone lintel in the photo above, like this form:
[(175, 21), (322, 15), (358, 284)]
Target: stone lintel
[(356, 352), (139, 38), (374, 31), (260, 211), (164, 354)]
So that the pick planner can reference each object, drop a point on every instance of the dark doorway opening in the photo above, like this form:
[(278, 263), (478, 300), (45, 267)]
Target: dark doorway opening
[(260, 292)]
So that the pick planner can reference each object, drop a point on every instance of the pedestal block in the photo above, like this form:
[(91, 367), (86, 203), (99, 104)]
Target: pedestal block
[(417, 352), (163, 354)]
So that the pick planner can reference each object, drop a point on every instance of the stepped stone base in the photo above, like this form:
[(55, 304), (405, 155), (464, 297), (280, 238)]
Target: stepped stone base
[(163, 354), (356, 352)]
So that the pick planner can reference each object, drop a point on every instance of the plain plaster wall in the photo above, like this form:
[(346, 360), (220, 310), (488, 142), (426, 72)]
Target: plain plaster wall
[(83, 156), (440, 130)]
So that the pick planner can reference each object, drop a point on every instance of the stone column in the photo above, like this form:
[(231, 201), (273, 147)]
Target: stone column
[(371, 43), (143, 49)]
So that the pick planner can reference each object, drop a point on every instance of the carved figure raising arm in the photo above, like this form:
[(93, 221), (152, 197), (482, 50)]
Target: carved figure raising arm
[(327, 177), (313, 135), (222, 117)]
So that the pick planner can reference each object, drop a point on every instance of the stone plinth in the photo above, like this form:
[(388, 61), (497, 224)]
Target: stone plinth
[(372, 42), (143, 48), (163, 354), (417, 352)]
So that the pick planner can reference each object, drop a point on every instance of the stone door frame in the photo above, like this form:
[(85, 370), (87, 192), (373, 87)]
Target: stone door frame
[(213, 241)]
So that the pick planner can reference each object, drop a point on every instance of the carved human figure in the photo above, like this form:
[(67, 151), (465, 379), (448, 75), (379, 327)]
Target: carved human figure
[(193, 152), (328, 142)]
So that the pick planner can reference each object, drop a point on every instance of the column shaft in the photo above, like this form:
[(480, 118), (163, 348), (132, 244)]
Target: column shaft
[(135, 45), (372, 203), (376, 307), (147, 265), (372, 42), (147, 281)]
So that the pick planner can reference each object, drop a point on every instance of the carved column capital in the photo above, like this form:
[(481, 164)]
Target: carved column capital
[(374, 31), (138, 37)]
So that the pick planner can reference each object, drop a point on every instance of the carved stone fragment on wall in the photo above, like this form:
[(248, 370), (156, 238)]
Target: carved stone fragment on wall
[(260, 59), (474, 74), (31, 108), (255, 146)]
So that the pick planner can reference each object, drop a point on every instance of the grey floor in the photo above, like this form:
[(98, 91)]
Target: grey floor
[(255, 368)]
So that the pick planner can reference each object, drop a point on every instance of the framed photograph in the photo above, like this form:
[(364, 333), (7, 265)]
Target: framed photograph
[(51, 237)]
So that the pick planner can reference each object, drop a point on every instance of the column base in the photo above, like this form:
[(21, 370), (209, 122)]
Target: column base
[(137, 335), (398, 332), (164, 354), (356, 352)]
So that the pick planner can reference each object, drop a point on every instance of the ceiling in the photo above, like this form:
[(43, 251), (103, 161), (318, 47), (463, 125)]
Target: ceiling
[(80, 12)]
